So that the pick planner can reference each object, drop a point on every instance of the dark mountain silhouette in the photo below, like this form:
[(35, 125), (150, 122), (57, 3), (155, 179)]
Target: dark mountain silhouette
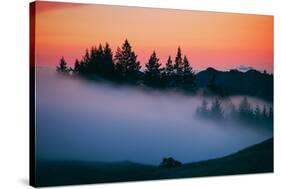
[(255, 159), (234, 82)]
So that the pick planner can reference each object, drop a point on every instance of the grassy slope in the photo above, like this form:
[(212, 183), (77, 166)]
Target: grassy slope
[(255, 159)]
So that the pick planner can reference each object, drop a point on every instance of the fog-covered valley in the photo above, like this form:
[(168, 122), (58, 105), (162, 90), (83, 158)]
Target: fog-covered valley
[(82, 120)]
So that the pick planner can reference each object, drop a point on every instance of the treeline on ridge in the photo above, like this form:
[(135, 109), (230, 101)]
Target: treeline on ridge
[(124, 67), (99, 63)]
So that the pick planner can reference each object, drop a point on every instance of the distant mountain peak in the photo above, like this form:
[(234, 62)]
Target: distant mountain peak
[(210, 69), (243, 68)]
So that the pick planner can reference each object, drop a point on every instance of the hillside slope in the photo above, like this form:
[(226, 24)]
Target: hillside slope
[(255, 159)]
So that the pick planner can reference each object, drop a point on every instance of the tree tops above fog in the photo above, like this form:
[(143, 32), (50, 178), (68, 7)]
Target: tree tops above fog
[(100, 63)]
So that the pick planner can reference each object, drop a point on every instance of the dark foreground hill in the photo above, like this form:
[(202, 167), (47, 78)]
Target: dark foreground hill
[(255, 159), (234, 82)]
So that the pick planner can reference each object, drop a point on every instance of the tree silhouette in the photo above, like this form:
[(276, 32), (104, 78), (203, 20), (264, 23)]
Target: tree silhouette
[(152, 74), (77, 66), (233, 113), (178, 63), (169, 68), (93, 62), (203, 109), (188, 75), (107, 65), (245, 110), (127, 66), (86, 58), (168, 73), (270, 115), (178, 69), (216, 110), (62, 67), (170, 163), (264, 112), (257, 112)]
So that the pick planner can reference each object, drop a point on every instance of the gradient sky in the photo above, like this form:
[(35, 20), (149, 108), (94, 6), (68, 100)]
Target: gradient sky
[(209, 39)]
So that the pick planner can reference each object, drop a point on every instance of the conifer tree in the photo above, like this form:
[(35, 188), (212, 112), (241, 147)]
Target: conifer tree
[(153, 72), (93, 63), (86, 61), (62, 67), (216, 110), (178, 63), (257, 112), (188, 75), (270, 114), (107, 64), (245, 109), (127, 65), (168, 73), (169, 68), (264, 112), (203, 109), (77, 66)]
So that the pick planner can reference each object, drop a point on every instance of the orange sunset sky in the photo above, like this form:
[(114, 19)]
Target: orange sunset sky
[(209, 39)]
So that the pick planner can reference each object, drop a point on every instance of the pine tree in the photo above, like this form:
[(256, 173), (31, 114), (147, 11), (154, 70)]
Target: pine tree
[(178, 63), (93, 63), (203, 109), (62, 67), (233, 113), (153, 72), (169, 68), (127, 65), (245, 110), (216, 110), (264, 112), (107, 64), (168, 73), (270, 114), (85, 62), (77, 66), (257, 112), (188, 75), (119, 66)]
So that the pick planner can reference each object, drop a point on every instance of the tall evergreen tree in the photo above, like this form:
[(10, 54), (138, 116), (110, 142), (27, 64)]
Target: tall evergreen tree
[(270, 114), (62, 67), (203, 109), (264, 112), (188, 75), (245, 109), (85, 62), (99, 61), (257, 112), (127, 65), (93, 63), (178, 63), (108, 65), (168, 73), (77, 66), (152, 74), (169, 68), (216, 110)]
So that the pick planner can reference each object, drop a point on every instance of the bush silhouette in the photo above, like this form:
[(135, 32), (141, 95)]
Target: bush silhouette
[(170, 163)]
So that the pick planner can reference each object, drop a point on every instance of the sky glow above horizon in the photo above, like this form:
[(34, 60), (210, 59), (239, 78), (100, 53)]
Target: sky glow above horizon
[(209, 39)]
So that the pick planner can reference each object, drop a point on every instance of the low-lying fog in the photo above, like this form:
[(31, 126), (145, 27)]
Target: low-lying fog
[(83, 120)]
